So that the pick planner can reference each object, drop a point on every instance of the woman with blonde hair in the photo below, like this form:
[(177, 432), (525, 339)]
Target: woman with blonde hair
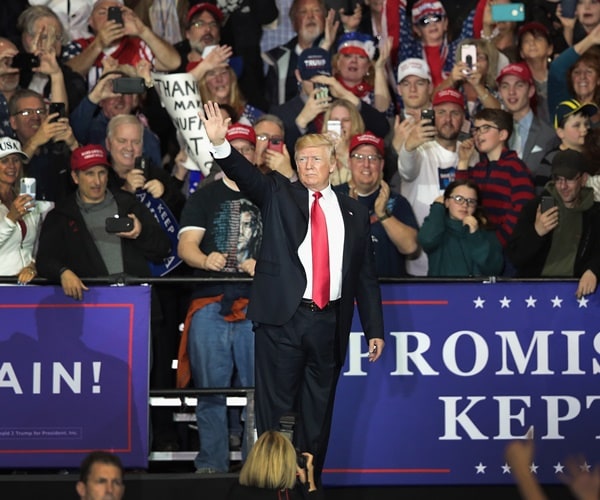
[(21, 215), (478, 82), (351, 124), (271, 469), (221, 85)]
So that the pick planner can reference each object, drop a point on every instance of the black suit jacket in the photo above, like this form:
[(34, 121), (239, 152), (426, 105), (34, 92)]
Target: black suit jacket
[(280, 280), (541, 139)]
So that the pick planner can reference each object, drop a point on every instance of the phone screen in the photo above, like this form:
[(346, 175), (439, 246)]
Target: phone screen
[(334, 126), (57, 107), (276, 145), (468, 55), (546, 203), (508, 12), (115, 14), (568, 8)]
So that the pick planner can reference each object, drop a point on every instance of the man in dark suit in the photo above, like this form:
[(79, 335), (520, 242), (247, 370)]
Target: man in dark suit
[(301, 339), (532, 138)]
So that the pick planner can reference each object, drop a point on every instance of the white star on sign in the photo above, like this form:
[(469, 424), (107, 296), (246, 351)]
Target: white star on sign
[(559, 468), (505, 302), (480, 468), (505, 468), (533, 468), (583, 302), (556, 302), (585, 467), (479, 303), (530, 302)]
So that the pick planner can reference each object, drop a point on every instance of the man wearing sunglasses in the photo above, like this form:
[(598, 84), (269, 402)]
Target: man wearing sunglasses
[(558, 233)]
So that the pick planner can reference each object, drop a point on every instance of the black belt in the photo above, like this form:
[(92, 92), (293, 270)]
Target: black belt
[(309, 304)]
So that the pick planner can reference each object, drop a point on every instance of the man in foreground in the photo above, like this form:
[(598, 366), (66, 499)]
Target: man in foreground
[(100, 476)]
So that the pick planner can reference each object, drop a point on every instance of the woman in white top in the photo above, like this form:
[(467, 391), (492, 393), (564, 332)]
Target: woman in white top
[(20, 216)]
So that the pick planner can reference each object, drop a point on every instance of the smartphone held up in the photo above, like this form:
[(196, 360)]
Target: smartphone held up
[(27, 186)]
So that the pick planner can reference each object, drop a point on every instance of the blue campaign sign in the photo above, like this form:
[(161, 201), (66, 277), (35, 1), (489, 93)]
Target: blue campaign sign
[(168, 223), (467, 368), (73, 375)]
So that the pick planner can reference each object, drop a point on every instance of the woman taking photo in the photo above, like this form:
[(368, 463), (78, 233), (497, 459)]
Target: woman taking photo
[(351, 124), (20, 216), (456, 236), (271, 470), (478, 82)]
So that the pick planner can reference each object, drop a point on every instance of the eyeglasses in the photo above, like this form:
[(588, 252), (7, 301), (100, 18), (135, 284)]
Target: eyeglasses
[(369, 158), (27, 112), (275, 139), (201, 24), (482, 129), (461, 200), (563, 180), (435, 18)]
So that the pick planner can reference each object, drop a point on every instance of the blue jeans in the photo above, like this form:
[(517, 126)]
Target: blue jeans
[(215, 346)]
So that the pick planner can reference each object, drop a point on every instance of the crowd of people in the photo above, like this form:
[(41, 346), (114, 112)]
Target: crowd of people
[(469, 144)]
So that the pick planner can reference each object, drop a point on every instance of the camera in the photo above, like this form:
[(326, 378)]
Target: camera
[(323, 91), (128, 85), (287, 422), (428, 114), (141, 163), (275, 145), (468, 55), (118, 224), (27, 186), (25, 61), (115, 14), (57, 107), (547, 202)]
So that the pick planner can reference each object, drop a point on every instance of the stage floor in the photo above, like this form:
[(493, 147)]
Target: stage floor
[(184, 486)]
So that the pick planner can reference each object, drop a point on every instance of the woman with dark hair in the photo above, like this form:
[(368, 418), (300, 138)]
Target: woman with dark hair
[(271, 470), (535, 49), (456, 235), (581, 65)]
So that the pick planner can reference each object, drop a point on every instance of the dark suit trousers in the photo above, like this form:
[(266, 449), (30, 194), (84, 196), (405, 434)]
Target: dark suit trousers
[(296, 371)]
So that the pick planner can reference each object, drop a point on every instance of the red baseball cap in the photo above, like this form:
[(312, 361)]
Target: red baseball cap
[(201, 7), (85, 157), (241, 131), (449, 95), (368, 138), (520, 70)]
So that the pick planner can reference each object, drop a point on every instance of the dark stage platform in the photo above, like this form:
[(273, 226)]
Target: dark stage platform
[(187, 486)]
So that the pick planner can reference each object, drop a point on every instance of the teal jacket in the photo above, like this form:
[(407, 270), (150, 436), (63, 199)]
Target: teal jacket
[(453, 251)]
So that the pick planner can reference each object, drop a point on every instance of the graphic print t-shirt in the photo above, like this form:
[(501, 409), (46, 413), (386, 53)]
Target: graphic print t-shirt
[(232, 225)]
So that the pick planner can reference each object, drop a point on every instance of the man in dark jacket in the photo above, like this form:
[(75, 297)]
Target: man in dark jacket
[(74, 241), (564, 240), (308, 21)]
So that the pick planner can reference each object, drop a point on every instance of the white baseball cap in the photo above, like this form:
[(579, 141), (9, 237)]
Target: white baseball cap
[(10, 146), (414, 67)]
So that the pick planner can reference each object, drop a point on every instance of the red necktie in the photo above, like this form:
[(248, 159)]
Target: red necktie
[(320, 254)]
